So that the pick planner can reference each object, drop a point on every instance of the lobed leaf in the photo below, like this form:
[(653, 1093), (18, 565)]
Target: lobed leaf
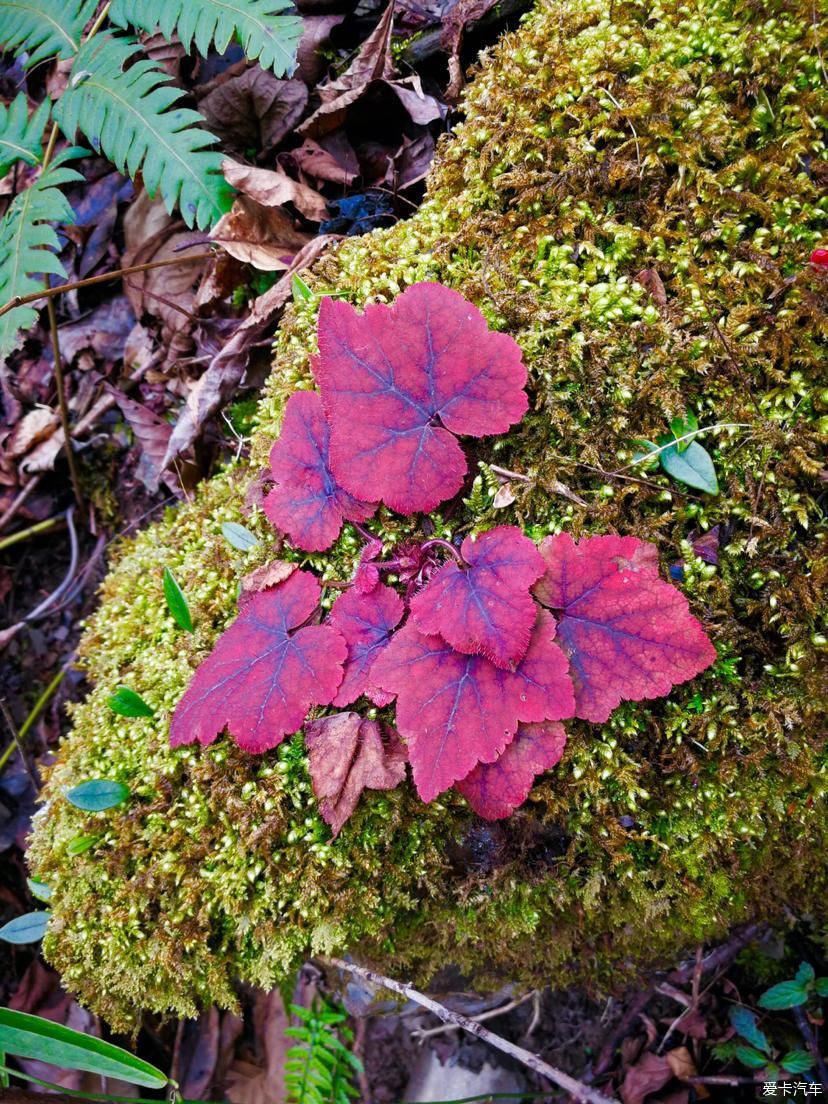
[(348, 754), (20, 134), (265, 672), (125, 109), (366, 622), (398, 382), (457, 710), (307, 503), (41, 29), (628, 635), (495, 790), (484, 608), (268, 30)]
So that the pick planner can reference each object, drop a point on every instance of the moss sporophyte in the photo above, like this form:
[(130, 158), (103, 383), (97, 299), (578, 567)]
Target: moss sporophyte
[(672, 818)]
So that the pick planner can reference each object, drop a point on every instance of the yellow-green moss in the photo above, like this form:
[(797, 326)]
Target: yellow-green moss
[(602, 139)]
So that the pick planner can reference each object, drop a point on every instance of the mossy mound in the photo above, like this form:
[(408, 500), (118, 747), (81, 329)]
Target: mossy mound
[(603, 140)]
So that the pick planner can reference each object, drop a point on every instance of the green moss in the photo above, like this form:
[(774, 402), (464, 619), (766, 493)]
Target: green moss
[(602, 139)]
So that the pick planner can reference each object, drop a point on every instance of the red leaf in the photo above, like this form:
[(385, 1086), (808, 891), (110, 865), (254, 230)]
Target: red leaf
[(628, 634), (349, 755), (367, 573), (307, 503), (366, 622), (264, 672), (398, 382), (456, 710), (485, 608), (494, 790)]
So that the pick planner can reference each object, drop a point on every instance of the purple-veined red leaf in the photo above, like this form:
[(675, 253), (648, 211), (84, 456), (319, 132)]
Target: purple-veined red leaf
[(366, 622), (628, 634), (264, 672), (347, 755), (457, 710), (307, 503), (399, 382), (495, 790), (484, 608), (367, 575)]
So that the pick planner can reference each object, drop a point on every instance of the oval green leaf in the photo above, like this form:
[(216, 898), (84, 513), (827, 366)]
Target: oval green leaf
[(693, 467), (744, 1022), (79, 844), (127, 703), (301, 292), (805, 974), (797, 1061), (238, 536), (787, 994), (39, 889), (750, 1057), (821, 986), (25, 929), (28, 1036), (97, 794), (176, 602)]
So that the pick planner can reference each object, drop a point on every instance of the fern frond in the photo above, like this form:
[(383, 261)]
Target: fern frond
[(43, 28), (125, 113), (29, 244), (268, 30), (20, 135), (320, 1069)]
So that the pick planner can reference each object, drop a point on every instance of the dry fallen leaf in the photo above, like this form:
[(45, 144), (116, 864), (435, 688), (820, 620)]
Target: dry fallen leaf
[(32, 429), (269, 575), (254, 109), (263, 1082), (264, 237), (649, 1074), (275, 188)]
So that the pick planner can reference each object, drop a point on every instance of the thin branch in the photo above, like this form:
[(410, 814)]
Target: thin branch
[(582, 1093), (19, 300), (491, 1014), (17, 743), (34, 713), (63, 405), (32, 531)]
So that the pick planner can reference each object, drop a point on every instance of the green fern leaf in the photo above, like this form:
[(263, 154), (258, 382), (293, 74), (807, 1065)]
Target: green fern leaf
[(268, 30), (125, 114), (42, 28), (20, 135), (29, 244)]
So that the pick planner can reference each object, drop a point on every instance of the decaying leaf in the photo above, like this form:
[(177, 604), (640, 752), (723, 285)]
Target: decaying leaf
[(349, 754), (264, 577), (275, 188), (265, 237), (254, 109)]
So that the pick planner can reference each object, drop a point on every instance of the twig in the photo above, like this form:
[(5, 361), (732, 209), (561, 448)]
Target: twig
[(32, 531), (810, 1042), (630, 125), (506, 474), (58, 592), (24, 493), (677, 440), (575, 1088), (47, 293), (16, 742), (491, 1014), (34, 713), (62, 403)]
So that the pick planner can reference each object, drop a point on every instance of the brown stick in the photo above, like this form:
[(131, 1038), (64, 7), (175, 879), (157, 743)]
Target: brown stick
[(60, 384), (47, 293), (577, 1089)]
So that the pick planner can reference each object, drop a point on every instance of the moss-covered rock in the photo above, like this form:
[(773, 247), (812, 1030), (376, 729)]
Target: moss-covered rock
[(634, 197)]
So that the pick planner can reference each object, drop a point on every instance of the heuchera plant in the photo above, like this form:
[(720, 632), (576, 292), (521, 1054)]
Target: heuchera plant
[(485, 649)]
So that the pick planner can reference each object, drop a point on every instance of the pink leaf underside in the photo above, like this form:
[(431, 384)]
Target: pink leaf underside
[(456, 710), (485, 608), (367, 575), (307, 503), (264, 672), (347, 755), (399, 382), (495, 790), (366, 622), (628, 634)]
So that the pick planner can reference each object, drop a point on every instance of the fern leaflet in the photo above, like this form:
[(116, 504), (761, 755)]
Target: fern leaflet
[(43, 28), (125, 115), (20, 135), (268, 30), (29, 244), (320, 1069)]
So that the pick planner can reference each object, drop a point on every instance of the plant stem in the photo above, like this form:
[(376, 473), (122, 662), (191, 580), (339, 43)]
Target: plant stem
[(677, 440), (96, 26), (810, 1042), (32, 531), (438, 542), (76, 1094), (63, 404), (36, 710), (47, 293), (582, 1093)]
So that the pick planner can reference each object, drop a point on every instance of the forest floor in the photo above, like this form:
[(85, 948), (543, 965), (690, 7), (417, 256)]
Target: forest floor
[(310, 169)]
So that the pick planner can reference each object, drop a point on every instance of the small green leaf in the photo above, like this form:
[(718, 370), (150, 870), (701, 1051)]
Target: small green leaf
[(750, 1057), (79, 844), (238, 536), (744, 1021), (39, 889), (693, 467), (805, 975), (25, 929), (797, 1061), (127, 703), (301, 292), (821, 986), (176, 602), (97, 794), (27, 1036), (787, 994), (645, 447)]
